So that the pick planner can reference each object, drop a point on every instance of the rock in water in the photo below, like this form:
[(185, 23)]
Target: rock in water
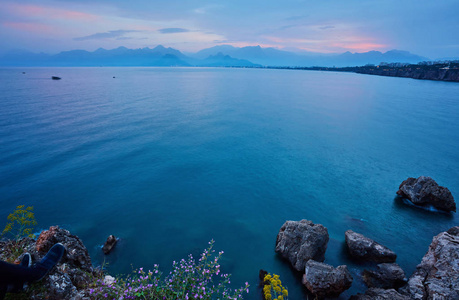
[(387, 276), (425, 190), (437, 276), (380, 294), (325, 281), (300, 241), (109, 244), (366, 249)]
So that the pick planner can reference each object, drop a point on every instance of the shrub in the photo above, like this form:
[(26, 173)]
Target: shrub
[(273, 289), (21, 223), (189, 280)]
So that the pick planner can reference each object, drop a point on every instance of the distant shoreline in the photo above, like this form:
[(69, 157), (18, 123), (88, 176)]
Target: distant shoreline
[(444, 71), (448, 71)]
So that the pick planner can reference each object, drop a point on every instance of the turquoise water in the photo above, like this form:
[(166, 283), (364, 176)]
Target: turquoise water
[(170, 158)]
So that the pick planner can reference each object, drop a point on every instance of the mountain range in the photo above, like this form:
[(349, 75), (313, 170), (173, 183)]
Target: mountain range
[(218, 56)]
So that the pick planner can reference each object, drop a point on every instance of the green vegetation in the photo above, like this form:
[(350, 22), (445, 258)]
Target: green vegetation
[(188, 280), (21, 223)]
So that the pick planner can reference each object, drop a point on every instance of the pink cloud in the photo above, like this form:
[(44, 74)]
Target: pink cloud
[(359, 46), (35, 11), (329, 45), (29, 27)]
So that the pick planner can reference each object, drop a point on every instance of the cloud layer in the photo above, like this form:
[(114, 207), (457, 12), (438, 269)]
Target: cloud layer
[(318, 26), (172, 30), (105, 35)]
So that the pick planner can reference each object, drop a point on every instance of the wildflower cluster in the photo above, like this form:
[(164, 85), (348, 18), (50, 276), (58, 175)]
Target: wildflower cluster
[(273, 289), (21, 223), (188, 280)]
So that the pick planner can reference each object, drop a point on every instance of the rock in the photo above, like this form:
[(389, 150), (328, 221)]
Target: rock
[(55, 78), (109, 280), (364, 248), (425, 190), (69, 279), (109, 244), (325, 281), (387, 276), (261, 275), (380, 294), (300, 241), (76, 254), (437, 276)]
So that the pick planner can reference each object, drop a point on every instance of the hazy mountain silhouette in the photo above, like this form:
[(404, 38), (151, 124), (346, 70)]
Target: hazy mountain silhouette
[(221, 60), (218, 56), (276, 57)]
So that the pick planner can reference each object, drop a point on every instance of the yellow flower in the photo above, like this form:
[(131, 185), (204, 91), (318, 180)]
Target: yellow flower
[(285, 292)]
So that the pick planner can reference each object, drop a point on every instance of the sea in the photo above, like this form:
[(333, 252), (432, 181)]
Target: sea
[(168, 159)]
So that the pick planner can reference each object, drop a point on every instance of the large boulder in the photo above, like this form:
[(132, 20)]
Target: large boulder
[(366, 249), (380, 294), (300, 241), (325, 281), (437, 276), (386, 276), (424, 190)]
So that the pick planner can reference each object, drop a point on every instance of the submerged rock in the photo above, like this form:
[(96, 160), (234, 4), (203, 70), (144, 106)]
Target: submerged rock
[(366, 249), (387, 276), (109, 244), (325, 281), (300, 241), (424, 190), (437, 276), (380, 294)]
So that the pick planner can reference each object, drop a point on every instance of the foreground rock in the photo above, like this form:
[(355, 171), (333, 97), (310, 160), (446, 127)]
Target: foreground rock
[(387, 276), (380, 294), (109, 244), (300, 241), (366, 249), (325, 281), (71, 276), (424, 190), (437, 276)]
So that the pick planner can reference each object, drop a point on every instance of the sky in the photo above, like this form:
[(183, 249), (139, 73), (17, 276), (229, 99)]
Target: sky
[(424, 27)]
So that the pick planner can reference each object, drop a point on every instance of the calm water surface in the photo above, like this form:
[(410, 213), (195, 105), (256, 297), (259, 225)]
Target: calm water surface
[(170, 158)]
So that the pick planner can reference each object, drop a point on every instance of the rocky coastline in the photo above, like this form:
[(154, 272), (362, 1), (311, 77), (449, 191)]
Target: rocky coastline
[(73, 275), (436, 277), (415, 73), (441, 71), (302, 244)]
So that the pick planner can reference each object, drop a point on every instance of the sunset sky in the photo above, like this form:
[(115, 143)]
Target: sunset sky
[(427, 28)]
